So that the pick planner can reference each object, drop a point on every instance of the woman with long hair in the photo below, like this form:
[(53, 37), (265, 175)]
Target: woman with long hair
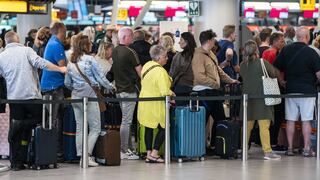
[(251, 73), (82, 64), (167, 42), (104, 56), (181, 68)]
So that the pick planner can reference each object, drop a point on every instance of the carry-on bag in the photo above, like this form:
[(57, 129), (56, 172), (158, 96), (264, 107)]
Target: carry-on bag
[(69, 135), (43, 146), (4, 129), (113, 114), (107, 148), (188, 131), (227, 139)]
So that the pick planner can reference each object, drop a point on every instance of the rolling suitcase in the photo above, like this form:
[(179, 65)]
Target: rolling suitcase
[(107, 148), (69, 135), (188, 132), (4, 129), (43, 146), (227, 139)]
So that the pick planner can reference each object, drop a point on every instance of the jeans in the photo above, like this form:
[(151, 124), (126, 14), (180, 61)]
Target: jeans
[(181, 90), (57, 115), (93, 122), (127, 109), (264, 125), (213, 108)]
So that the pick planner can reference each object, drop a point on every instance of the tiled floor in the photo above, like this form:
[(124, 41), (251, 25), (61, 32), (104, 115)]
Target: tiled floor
[(289, 168)]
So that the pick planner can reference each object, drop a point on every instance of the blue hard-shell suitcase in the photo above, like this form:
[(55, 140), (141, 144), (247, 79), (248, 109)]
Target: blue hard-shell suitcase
[(188, 132), (69, 135)]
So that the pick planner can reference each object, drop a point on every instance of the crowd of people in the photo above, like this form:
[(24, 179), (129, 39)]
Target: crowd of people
[(134, 64)]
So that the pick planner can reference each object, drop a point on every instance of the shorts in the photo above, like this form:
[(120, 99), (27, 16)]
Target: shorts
[(300, 107)]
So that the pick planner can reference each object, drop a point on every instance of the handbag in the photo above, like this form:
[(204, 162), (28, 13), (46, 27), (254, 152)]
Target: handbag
[(270, 87), (102, 104)]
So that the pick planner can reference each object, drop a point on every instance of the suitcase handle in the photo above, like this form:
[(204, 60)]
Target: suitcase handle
[(44, 112), (191, 107)]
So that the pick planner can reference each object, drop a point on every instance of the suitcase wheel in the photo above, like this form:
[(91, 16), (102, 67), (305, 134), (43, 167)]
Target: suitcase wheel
[(180, 160), (235, 155), (201, 158)]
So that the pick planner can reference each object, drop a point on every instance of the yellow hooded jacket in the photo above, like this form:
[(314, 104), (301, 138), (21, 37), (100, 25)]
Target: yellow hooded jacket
[(156, 83)]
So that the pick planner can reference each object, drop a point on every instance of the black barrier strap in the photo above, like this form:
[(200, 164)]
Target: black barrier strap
[(40, 101), (208, 98), (179, 98), (283, 96)]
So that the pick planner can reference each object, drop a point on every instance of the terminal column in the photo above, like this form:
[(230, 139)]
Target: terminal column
[(215, 14), (25, 22)]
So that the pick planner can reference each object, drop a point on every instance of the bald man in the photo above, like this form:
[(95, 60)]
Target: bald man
[(126, 69), (18, 66), (301, 66)]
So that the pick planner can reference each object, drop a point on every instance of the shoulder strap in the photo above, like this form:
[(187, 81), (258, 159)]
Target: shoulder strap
[(264, 69), (152, 67), (83, 76), (212, 59)]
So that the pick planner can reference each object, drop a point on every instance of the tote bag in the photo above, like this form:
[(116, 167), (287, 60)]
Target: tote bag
[(270, 87)]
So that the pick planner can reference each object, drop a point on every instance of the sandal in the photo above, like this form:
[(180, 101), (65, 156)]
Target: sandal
[(151, 159), (290, 152)]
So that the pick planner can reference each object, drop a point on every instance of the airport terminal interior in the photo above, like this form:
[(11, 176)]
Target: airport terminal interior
[(158, 49)]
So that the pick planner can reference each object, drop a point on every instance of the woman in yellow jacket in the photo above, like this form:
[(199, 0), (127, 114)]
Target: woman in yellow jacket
[(155, 82)]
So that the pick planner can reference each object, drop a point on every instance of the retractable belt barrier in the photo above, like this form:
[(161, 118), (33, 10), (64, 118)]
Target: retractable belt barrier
[(244, 98)]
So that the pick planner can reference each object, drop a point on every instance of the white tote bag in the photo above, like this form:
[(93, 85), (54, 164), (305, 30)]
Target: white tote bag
[(270, 87)]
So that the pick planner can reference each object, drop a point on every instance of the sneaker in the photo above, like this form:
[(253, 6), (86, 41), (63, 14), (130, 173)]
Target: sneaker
[(289, 152), (271, 156), (279, 149), (91, 162), (308, 153), (129, 155)]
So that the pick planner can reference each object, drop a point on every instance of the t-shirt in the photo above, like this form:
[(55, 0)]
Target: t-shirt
[(270, 55), (54, 52), (262, 49), (225, 44), (299, 69), (125, 60)]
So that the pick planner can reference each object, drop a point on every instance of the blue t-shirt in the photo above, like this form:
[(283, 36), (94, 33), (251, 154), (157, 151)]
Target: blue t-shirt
[(224, 45), (54, 52)]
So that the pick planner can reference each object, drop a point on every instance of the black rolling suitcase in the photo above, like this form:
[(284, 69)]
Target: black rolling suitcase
[(43, 147), (227, 139)]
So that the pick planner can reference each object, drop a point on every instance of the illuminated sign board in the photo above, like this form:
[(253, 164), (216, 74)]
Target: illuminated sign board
[(23, 7), (37, 8), (307, 4)]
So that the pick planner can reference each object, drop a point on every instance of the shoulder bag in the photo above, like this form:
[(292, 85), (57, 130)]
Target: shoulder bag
[(101, 100), (270, 86)]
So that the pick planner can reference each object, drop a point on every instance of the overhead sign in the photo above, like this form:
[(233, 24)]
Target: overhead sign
[(194, 8), (122, 14), (307, 5), (249, 13), (13, 6), (311, 14), (37, 8), (25, 7)]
